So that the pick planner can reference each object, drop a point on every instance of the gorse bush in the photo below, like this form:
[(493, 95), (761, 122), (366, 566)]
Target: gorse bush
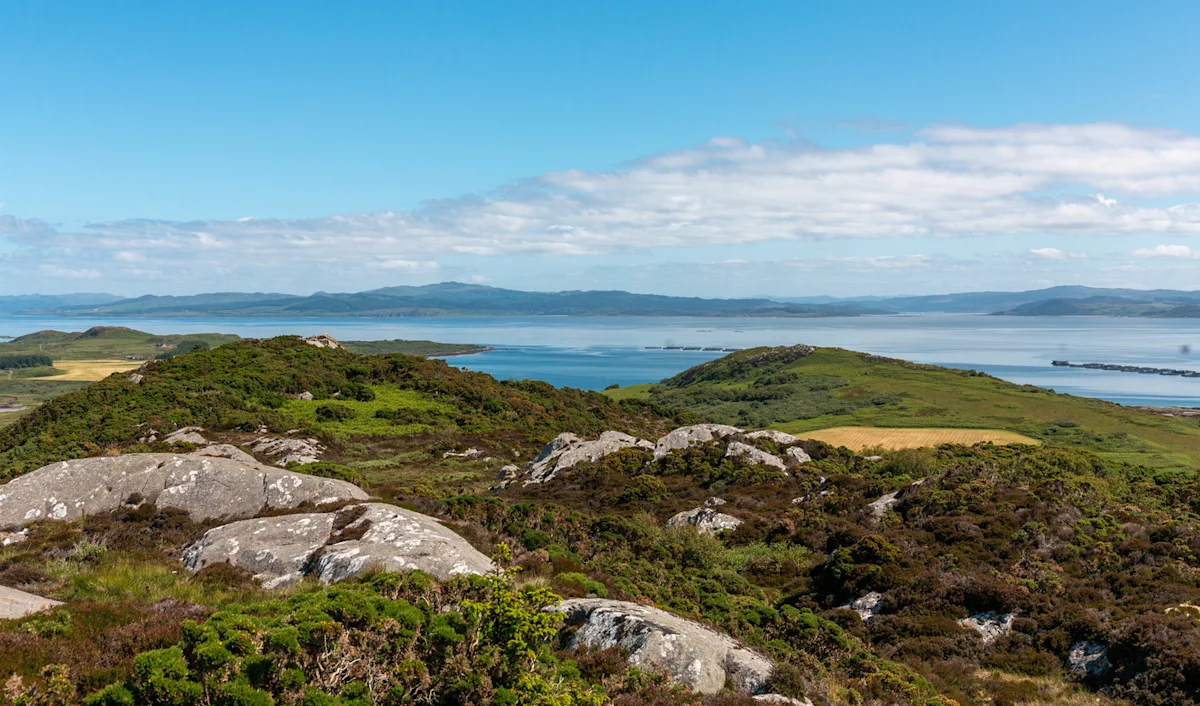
[(394, 639)]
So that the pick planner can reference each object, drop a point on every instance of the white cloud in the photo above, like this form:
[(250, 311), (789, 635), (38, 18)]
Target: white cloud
[(128, 256), (69, 272), (950, 181), (1180, 251), (407, 265)]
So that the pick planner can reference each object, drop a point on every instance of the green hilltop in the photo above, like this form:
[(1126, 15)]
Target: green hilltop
[(802, 389)]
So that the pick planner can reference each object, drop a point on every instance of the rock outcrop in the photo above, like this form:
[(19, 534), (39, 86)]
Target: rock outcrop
[(991, 625), (780, 699), (287, 450), (274, 549), (867, 606), (18, 604), (283, 550), (206, 487), (779, 437), (685, 437), (323, 340), (798, 455), (705, 518), (737, 449), (691, 653), (186, 435), (399, 540), (568, 450), (1089, 659)]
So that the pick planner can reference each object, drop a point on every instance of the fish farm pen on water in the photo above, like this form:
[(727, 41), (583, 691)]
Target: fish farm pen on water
[(1127, 368)]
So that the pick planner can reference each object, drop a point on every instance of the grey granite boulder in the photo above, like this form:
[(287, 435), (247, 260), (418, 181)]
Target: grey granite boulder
[(755, 455), (396, 539), (226, 451), (1089, 659), (283, 550), (990, 625), (705, 519), (779, 699), (274, 549), (779, 437), (18, 604), (285, 450), (867, 606), (568, 450), (691, 653), (685, 437), (798, 455), (186, 435), (206, 487)]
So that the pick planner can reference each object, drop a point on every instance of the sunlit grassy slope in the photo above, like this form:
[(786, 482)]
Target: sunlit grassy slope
[(838, 388)]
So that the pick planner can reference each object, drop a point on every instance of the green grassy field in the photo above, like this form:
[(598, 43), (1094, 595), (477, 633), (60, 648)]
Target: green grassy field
[(421, 348), (421, 413), (839, 388)]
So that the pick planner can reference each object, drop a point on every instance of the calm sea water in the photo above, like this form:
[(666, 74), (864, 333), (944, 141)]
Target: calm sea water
[(593, 352)]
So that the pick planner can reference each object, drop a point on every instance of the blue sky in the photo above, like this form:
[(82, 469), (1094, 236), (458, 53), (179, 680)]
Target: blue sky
[(689, 148)]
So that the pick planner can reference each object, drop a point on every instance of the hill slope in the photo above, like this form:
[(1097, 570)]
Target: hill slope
[(246, 385), (803, 389)]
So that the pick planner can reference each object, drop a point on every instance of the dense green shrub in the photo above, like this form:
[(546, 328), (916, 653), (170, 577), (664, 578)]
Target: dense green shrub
[(10, 361)]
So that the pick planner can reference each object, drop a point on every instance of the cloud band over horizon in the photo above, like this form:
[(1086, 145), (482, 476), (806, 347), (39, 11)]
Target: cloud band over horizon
[(885, 206)]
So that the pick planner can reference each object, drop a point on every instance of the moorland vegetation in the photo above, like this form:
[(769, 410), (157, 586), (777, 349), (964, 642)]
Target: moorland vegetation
[(1075, 541)]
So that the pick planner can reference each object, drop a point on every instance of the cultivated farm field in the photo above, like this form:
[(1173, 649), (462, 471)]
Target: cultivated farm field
[(859, 438), (93, 370)]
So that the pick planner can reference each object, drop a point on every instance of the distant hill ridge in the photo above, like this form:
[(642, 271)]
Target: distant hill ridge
[(449, 299), (459, 299)]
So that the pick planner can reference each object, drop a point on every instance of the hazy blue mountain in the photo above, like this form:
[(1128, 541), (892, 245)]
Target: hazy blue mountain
[(453, 299), (21, 302), (994, 302)]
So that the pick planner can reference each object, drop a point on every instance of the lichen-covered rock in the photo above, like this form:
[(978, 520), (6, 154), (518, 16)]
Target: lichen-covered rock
[(798, 455), (275, 549), (883, 504), (685, 437), (780, 699), (285, 450), (226, 451), (399, 540), (1089, 659), (568, 450), (691, 653), (323, 340), (704, 519), (186, 435), (991, 625), (867, 606), (737, 449), (206, 487), (18, 604), (779, 437)]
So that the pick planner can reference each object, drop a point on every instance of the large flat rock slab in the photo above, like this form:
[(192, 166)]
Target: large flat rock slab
[(275, 549), (18, 604), (206, 487), (283, 550), (693, 654), (400, 540)]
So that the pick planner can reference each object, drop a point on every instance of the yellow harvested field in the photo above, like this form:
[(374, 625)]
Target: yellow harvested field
[(92, 370), (859, 438)]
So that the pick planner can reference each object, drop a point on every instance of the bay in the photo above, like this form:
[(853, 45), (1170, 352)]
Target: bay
[(593, 352)]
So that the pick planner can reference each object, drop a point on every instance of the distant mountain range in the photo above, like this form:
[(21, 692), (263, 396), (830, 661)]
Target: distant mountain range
[(25, 302), (455, 299), (446, 299)]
